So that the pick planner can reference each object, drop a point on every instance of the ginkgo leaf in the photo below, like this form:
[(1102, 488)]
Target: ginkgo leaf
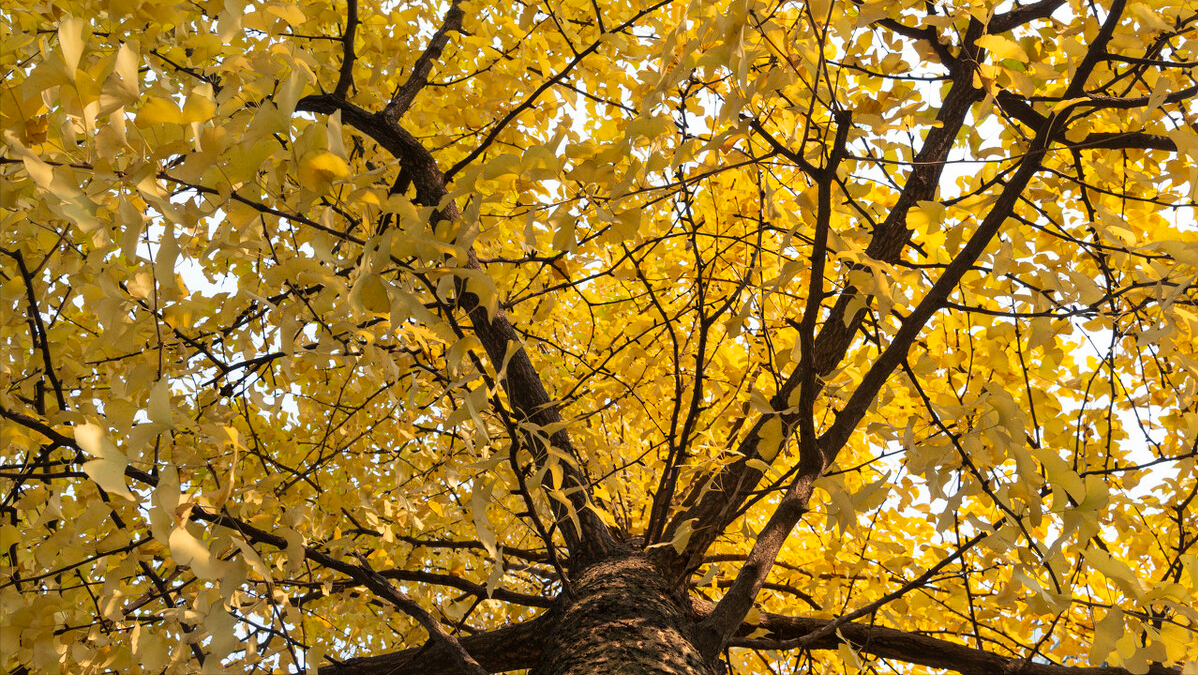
[(164, 501), (1068, 103), (122, 86), (682, 536), (1060, 474), (926, 216), (852, 662), (255, 561), (319, 170), (186, 549), (1106, 632), (42, 173), (109, 474), (199, 106), (108, 469), (221, 627), (1002, 47), (296, 552), (157, 110), (771, 438), (71, 42), (1115, 570), (159, 407), (479, 498), (371, 294)]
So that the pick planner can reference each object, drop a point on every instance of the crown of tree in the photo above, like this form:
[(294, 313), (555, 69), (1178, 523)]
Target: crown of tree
[(662, 336)]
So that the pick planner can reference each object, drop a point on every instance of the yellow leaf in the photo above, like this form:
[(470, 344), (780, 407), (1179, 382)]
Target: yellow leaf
[(1061, 105), (41, 173), (159, 407), (628, 223), (251, 556), (848, 658), (1059, 474), (479, 498), (1106, 633), (200, 106), (295, 550), (501, 166), (71, 42), (771, 440), (109, 474), (36, 128), (1177, 639), (157, 110), (372, 293), (458, 351), (187, 550), (122, 86), (926, 216), (221, 626), (683, 536), (109, 469), (320, 169), (761, 466), (164, 502), (1002, 48), (1115, 570)]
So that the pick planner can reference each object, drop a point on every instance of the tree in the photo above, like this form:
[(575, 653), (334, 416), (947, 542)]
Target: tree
[(652, 337)]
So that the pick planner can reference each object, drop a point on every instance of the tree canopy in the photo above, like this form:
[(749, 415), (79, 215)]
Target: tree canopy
[(839, 335)]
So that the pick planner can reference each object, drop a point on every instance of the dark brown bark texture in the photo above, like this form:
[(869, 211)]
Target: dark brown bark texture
[(624, 619), (630, 623)]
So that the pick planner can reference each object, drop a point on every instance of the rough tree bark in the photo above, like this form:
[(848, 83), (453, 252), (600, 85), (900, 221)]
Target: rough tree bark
[(624, 619)]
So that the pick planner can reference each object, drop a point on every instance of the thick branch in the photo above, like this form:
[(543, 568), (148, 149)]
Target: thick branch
[(863, 396), (39, 426), (402, 100), (811, 457), (713, 509), (538, 414), (865, 393), (1019, 16), (888, 643), (718, 628), (833, 626), (475, 589), (1129, 140), (1019, 108), (345, 78), (38, 328), (508, 648), (461, 658), (519, 646)]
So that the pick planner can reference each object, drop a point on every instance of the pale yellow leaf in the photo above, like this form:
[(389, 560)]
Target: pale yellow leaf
[(108, 470), (187, 550), (71, 42), (1002, 48), (320, 169), (1106, 632)]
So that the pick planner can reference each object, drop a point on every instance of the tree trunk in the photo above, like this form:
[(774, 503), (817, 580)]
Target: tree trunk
[(624, 619)]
